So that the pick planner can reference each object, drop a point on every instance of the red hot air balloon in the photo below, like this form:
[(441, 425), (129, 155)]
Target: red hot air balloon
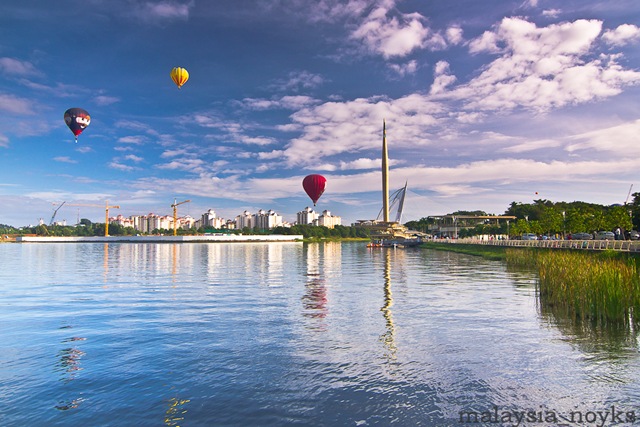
[(314, 186), (77, 119)]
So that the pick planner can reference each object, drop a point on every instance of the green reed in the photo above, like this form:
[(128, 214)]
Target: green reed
[(601, 286), (522, 257)]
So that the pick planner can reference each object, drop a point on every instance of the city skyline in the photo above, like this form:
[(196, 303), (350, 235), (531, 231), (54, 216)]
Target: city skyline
[(307, 216), (485, 104)]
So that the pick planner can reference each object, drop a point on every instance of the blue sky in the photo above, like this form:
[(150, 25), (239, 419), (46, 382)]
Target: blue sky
[(485, 103)]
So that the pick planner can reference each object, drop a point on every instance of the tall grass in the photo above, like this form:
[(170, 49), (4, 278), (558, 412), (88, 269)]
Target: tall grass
[(599, 287), (521, 257)]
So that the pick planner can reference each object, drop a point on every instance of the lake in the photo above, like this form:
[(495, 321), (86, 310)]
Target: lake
[(313, 334)]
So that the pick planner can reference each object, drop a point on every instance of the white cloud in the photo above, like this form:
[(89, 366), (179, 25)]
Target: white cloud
[(454, 35), (258, 103), (620, 140), (120, 166), (233, 131), (393, 37), (333, 10), (173, 153), (293, 102), (64, 159), (624, 34), (137, 140), (469, 117), (551, 13), (442, 79), (500, 171), (15, 105), (361, 163), (532, 146), (297, 102), (275, 154), (299, 80), (403, 69), (487, 42), (133, 158), (132, 125), (543, 68), (332, 128), (4, 141), (185, 164), (151, 11), (105, 100), (84, 149), (16, 67)]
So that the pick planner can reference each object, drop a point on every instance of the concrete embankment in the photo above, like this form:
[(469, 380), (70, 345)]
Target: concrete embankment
[(224, 238)]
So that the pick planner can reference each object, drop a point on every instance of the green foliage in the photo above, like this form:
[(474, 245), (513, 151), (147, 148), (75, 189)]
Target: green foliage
[(320, 232), (599, 287), (546, 217)]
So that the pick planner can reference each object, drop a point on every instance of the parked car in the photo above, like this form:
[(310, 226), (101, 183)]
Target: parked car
[(581, 236), (529, 236), (605, 235), (634, 235)]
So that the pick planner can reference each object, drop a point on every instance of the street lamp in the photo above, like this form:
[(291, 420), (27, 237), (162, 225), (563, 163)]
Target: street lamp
[(455, 228)]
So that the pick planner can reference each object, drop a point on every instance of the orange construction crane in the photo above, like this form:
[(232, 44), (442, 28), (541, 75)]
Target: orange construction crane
[(107, 207), (175, 215)]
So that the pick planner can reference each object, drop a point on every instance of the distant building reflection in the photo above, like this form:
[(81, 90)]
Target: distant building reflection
[(314, 299)]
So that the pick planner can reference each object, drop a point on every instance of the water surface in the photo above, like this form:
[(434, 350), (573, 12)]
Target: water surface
[(294, 334)]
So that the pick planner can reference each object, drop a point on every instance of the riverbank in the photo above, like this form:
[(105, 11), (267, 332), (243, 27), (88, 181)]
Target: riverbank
[(485, 251), (161, 239)]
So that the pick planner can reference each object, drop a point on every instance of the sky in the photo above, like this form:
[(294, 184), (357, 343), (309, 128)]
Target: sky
[(485, 104)]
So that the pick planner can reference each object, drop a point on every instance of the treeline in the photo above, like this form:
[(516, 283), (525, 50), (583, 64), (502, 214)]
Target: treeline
[(544, 217), (310, 231), (87, 228)]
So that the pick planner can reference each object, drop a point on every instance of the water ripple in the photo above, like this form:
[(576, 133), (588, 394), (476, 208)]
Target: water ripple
[(289, 334)]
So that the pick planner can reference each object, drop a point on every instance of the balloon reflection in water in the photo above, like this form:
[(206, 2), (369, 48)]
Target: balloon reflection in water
[(69, 363), (70, 359), (314, 299)]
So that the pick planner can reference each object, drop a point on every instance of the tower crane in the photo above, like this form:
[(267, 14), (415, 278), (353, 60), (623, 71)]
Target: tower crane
[(175, 215), (53, 217), (107, 207)]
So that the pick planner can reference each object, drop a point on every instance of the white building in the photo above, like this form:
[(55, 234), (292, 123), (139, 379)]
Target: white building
[(123, 221), (244, 220), (211, 220), (186, 222), (267, 220), (328, 220), (148, 223), (307, 216)]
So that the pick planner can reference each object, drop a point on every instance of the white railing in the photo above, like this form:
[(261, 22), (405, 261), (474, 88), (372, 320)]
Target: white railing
[(618, 245)]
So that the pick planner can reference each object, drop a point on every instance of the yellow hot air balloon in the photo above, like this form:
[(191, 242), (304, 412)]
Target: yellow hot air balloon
[(179, 76)]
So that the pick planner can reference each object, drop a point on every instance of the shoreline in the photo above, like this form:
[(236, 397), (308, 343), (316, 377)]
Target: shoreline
[(161, 239)]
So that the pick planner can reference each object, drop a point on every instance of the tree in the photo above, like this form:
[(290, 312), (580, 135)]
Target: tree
[(550, 220)]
